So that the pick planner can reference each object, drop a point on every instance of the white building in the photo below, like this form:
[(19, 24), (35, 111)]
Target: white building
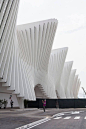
[(56, 64), (70, 85), (64, 79), (28, 67)]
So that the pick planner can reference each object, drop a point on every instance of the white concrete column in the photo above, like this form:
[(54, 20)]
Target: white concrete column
[(21, 102)]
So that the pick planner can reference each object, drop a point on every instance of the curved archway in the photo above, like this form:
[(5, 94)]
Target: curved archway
[(39, 91)]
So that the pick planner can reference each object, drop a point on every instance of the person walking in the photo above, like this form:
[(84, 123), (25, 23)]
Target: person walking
[(11, 103), (44, 104)]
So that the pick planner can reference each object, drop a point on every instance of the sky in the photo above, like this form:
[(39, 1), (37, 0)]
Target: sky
[(71, 30)]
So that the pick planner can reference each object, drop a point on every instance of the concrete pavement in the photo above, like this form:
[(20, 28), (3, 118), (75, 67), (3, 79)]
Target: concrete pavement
[(14, 118)]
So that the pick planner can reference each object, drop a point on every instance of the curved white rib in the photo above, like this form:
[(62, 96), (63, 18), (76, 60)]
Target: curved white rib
[(75, 85), (8, 17), (69, 93), (56, 64), (64, 79), (77, 88), (35, 42)]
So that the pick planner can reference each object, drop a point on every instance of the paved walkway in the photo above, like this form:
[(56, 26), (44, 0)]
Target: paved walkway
[(13, 118)]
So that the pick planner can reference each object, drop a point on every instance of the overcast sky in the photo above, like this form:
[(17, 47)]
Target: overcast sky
[(71, 30)]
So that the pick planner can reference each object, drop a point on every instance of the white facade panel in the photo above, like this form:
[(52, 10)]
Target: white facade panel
[(69, 93), (75, 86), (56, 64), (64, 79), (35, 43)]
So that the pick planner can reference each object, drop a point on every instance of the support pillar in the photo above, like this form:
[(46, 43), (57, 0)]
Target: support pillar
[(21, 102)]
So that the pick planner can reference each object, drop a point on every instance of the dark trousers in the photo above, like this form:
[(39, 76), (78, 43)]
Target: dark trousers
[(44, 108), (11, 105)]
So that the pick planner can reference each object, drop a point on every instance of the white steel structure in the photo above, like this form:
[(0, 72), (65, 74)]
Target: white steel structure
[(8, 58), (35, 43), (76, 86), (64, 79), (28, 67), (69, 93), (56, 64)]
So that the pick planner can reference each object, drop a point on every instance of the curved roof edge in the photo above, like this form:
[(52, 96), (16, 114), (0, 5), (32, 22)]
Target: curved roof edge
[(42, 21)]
